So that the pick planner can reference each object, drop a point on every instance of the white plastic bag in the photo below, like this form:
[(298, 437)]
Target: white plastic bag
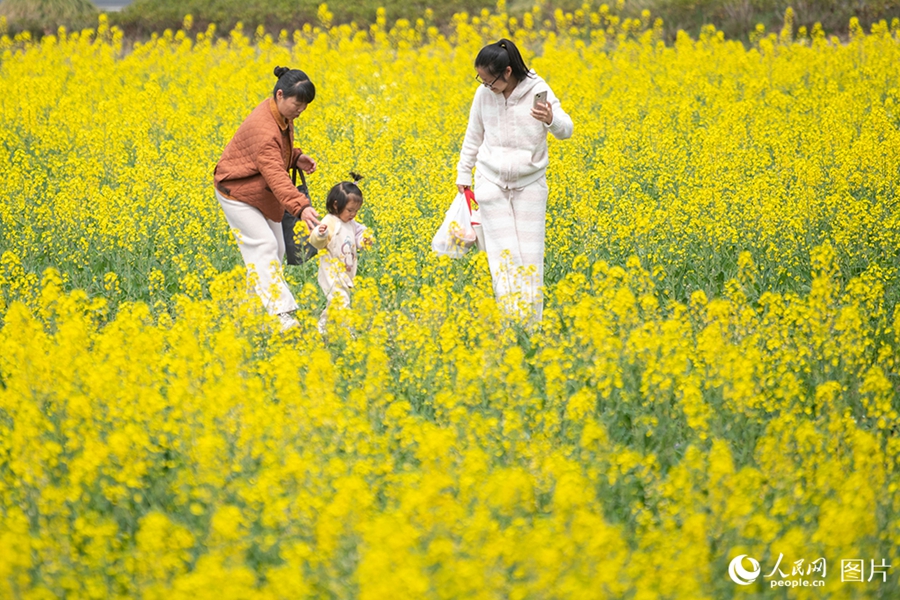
[(456, 234), (475, 217)]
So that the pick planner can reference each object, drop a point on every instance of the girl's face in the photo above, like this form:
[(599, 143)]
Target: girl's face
[(349, 212), (496, 84)]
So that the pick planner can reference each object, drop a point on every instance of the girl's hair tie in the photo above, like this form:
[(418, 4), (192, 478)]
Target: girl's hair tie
[(355, 176)]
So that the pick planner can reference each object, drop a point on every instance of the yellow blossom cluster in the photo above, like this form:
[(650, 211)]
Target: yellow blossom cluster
[(715, 375)]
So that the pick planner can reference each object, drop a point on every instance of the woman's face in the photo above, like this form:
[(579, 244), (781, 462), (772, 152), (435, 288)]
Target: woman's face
[(496, 84), (290, 107)]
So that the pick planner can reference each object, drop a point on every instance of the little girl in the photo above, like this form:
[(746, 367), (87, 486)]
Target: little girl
[(341, 236)]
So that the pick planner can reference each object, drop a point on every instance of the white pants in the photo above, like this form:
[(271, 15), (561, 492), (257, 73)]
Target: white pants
[(261, 242), (514, 224)]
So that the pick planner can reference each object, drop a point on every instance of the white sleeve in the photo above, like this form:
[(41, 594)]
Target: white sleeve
[(471, 143), (360, 230), (561, 127)]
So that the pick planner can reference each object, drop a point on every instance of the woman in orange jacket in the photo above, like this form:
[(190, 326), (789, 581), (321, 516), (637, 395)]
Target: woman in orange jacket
[(254, 188)]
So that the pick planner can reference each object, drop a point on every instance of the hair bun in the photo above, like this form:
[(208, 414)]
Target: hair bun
[(279, 71), (355, 176)]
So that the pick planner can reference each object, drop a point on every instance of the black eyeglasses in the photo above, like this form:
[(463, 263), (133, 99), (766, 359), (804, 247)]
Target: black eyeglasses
[(484, 83)]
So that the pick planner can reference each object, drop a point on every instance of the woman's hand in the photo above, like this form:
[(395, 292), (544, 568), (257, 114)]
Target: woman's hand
[(543, 112), (306, 163), (309, 216)]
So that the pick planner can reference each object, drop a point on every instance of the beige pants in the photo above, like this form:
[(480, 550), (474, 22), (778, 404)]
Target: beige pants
[(261, 242), (514, 223)]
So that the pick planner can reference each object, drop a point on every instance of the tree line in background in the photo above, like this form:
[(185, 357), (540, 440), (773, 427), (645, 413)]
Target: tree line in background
[(736, 18)]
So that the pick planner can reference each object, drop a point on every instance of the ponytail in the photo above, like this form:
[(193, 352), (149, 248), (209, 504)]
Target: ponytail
[(499, 55)]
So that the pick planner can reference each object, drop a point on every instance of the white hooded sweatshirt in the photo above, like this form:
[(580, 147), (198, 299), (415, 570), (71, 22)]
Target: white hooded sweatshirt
[(504, 142)]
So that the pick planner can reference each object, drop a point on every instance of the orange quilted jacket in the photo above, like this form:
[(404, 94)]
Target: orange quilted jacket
[(254, 166)]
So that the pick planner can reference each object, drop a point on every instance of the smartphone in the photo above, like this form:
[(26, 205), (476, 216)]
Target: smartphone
[(540, 97)]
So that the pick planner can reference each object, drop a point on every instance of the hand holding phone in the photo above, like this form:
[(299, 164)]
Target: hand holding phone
[(541, 110)]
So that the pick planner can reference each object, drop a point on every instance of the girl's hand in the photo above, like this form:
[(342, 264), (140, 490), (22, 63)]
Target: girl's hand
[(543, 112), (306, 163), (462, 188), (323, 229)]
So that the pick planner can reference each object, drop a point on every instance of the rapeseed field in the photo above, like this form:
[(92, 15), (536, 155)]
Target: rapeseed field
[(716, 374)]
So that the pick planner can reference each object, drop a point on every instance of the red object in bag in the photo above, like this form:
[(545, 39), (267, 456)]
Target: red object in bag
[(473, 204), (475, 218)]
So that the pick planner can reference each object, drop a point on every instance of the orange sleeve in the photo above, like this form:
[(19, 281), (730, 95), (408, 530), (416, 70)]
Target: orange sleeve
[(271, 165)]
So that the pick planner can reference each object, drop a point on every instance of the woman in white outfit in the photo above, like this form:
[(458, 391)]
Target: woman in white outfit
[(506, 144)]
